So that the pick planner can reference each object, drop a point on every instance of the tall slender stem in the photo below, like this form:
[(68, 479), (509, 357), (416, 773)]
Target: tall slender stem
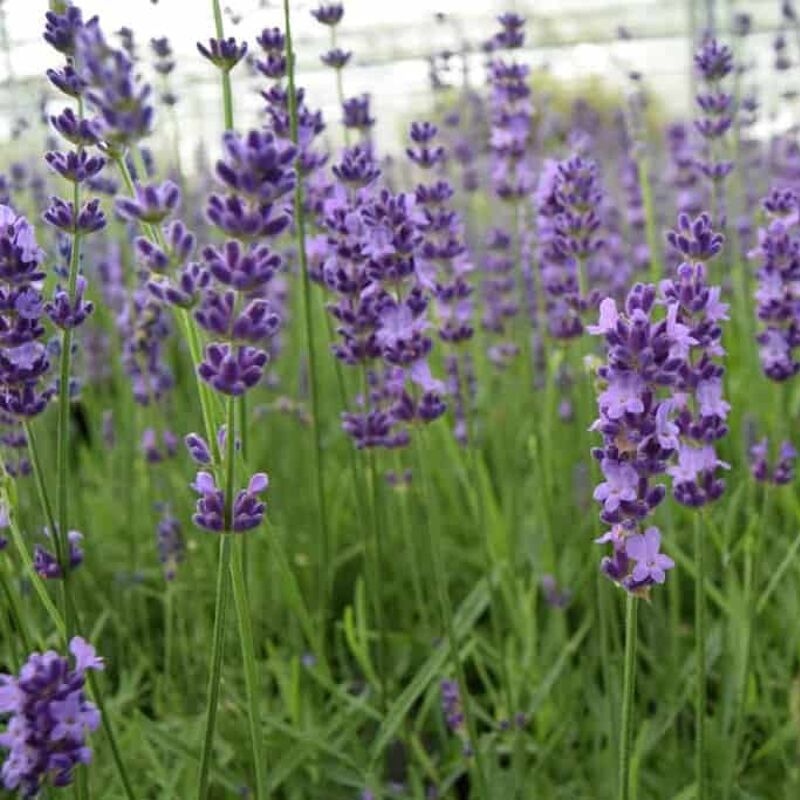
[(700, 657), (446, 611), (300, 232), (628, 694), (650, 221), (376, 546), (50, 519), (217, 647), (227, 94), (250, 666)]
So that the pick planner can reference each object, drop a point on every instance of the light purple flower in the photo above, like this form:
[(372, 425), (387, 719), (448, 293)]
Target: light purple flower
[(651, 564)]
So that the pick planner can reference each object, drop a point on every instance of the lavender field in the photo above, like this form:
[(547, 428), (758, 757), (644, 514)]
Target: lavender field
[(444, 455)]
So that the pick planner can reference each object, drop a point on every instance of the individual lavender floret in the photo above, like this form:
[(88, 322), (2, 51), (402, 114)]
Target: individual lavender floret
[(693, 321), (639, 436), (49, 717), (778, 292)]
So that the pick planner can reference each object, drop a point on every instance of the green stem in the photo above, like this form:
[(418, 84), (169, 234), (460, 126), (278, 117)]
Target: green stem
[(108, 729), (376, 546), (446, 610), (628, 692), (227, 95), (15, 612), (32, 575), (250, 666), (650, 222), (50, 519), (217, 646), (700, 657), (300, 230)]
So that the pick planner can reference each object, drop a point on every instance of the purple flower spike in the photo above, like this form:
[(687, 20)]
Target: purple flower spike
[(49, 718)]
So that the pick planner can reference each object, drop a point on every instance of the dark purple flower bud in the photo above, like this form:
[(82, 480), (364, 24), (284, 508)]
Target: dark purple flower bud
[(357, 168), (198, 448), (170, 544), (153, 203), (336, 58), (714, 61), (60, 29), (511, 35), (67, 80), (356, 113), (695, 239), (230, 370), (77, 131), (46, 564), (224, 54), (242, 268), (66, 313), (328, 14), (74, 166), (61, 215)]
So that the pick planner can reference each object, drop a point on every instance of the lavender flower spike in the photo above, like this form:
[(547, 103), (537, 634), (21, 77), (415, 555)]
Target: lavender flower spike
[(49, 718)]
